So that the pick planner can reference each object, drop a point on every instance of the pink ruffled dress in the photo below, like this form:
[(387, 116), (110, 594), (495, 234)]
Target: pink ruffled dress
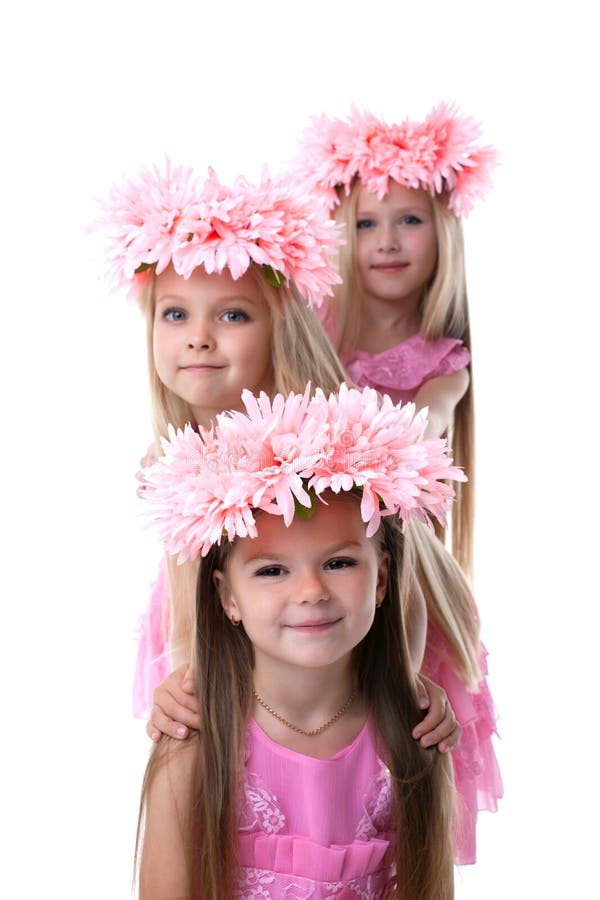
[(400, 372), (476, 773), (318, 828), (154, 636)]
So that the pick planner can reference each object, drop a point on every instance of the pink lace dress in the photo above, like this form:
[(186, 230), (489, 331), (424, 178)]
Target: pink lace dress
[(315, 828), (400, 372)]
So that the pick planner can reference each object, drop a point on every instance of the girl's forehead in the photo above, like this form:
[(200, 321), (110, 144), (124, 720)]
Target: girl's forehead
[(202, 286), (397, 195), (336, 523)]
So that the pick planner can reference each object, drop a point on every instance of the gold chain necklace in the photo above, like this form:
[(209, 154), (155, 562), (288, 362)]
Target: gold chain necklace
[(314, 731)]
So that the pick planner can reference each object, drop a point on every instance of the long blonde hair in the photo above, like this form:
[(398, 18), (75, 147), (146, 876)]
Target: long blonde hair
[(301, 352), (422, 788), (444, 313)]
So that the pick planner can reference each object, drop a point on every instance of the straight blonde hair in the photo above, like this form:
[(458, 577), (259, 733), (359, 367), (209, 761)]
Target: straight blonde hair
[(444, 313)]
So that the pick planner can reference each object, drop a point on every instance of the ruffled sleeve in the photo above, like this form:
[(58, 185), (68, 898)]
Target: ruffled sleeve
[(403, 369)]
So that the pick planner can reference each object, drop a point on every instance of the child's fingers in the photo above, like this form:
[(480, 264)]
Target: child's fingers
[(175, 709), (451, 742), (439, 726), (160, 724), (433, 718), (180, 707), (152, 731), (446, 736), (176, 721), (439, 710)]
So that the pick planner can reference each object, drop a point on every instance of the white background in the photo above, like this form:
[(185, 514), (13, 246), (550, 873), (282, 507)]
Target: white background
[(92, 91)]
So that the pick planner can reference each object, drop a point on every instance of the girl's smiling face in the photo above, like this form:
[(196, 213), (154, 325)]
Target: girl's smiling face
[(211, 339), (306, 594), (396, 244)]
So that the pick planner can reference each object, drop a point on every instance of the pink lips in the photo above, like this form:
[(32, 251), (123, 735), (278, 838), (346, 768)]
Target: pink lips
[(315, 627), (390, 267), (200, 369)]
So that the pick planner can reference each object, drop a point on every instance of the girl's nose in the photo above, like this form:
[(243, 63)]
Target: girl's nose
[(388, 238), (311, 589), (200, 338)]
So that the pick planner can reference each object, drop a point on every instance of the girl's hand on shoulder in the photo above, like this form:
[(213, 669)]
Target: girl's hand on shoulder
[(175, 709), (148, 460), (439, 725)]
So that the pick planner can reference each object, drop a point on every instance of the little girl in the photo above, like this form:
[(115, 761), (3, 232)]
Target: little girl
[(223, 275), (303, 780), (400, 321)]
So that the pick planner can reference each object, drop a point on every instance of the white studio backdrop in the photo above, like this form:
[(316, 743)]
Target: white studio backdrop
[(93, 91)]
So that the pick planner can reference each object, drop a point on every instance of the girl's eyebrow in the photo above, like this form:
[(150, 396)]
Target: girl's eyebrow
[(331, 550), (413, 207), (264, 558), (174, 298)]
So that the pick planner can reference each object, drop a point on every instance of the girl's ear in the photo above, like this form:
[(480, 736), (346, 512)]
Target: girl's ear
[(383, 574), (226, 597)]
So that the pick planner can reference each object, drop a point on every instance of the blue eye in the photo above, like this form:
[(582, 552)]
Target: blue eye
[(175, 315), (411, 220), (235, 315), (364, 223)]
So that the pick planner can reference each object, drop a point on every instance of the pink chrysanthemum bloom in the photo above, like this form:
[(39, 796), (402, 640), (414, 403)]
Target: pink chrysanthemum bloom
[(173, 217), (440, 154), (279, 455), (141, 219), (379, 447)]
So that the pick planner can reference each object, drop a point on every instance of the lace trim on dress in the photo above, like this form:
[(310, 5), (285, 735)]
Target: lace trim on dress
[(263, 839), (260, 808), (377, 817), (261, 812), (257, 884)]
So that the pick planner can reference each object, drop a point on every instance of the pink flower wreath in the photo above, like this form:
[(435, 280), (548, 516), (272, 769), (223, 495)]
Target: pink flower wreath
[(438, 154), (209, 481), (174, 217)]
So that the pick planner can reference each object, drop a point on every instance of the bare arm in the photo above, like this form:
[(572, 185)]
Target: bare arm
[(163, 873), (416, 625), (439, 725), (441, 395), (182, 588)]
